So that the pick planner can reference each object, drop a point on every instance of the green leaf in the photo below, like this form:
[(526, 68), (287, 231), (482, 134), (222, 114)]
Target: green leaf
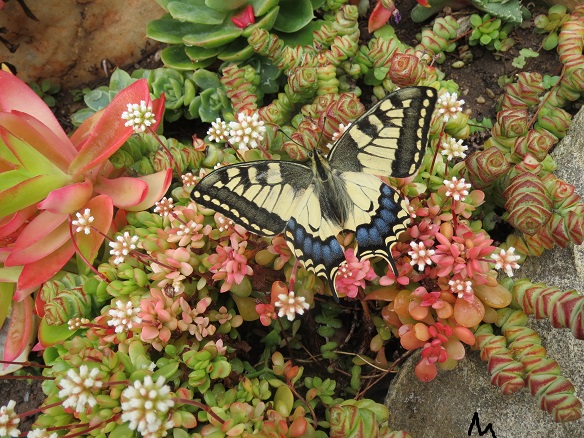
[(197, 54), (528, 53), (206, 79), (262, 7), (225, 5), (214, 36), (476, 20), (294, 15), (170, 31), (237, 51), (195, 11), (509, 11), (518, 62), (175, 57)]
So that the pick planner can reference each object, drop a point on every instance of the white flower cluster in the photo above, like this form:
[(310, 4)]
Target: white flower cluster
[(245, 133), (122, 246), (123, 316), (145, 406), (83, 221), (449, 106), (453, 148), (139, 116), (79, 388), (290, 305)]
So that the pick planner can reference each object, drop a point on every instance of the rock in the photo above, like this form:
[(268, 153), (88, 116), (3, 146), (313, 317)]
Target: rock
[(445, 407), (72, 37)]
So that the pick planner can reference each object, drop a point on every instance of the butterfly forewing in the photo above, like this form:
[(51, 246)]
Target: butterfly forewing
[(389, 139), (261, 196)]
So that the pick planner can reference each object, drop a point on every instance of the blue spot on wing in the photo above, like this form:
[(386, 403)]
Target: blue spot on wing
[(321, 257), (377, 237)]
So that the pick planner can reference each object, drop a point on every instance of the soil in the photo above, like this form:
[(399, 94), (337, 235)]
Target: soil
[(474, 79)]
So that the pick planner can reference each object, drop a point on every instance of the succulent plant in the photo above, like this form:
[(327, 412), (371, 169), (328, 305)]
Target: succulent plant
[(490, 32), (201, 31)]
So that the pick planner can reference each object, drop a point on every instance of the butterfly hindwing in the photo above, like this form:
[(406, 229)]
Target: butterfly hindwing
[(260, 196), (323, 257), (389, 139)]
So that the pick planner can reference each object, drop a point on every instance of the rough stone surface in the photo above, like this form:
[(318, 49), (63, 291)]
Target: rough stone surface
[(445, 406), (72, 37)]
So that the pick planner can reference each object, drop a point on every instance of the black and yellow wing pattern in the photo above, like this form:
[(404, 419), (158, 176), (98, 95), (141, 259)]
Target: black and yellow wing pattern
[(312, 202)]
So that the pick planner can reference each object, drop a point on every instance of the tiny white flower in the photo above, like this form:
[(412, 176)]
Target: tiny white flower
[(247, 132), (290, 305), (164, 206), (218, 131), (189, 180), (506, 260), (41, 433), (122, 246), (340, 132), (458, 190), (453, 148), (145, 406), (139, 116), (448, 106), (462, 288), (420, 255), (79, 388), (123, 316), (9, 420), (83, 221)]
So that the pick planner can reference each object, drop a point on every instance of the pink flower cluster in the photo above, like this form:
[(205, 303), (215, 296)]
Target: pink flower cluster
[(229, 263), (352, 274)]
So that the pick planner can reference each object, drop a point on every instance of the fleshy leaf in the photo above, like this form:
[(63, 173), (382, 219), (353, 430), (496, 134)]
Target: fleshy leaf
[(36, 273), (124, 191), (52, 334), (16, 95), (28, 192), (49, 242), (40, 137), (20, 330), (158, 184), (68, 199), (109, 132), (102, 210)]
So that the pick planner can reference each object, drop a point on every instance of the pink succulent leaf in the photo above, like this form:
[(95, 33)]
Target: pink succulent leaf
[(15, 95), (68, 199), (124, 191), (20, 329), (41, 225), (108, 133), (102, 209), (40, 137), (158, 110), (379, 17), (27, 192), (158, 184), (36, 273), (25, 157), (51, 240), (11, 223)]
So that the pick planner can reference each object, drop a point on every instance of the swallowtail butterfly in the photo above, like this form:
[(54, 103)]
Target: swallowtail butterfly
[(312, 202)]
